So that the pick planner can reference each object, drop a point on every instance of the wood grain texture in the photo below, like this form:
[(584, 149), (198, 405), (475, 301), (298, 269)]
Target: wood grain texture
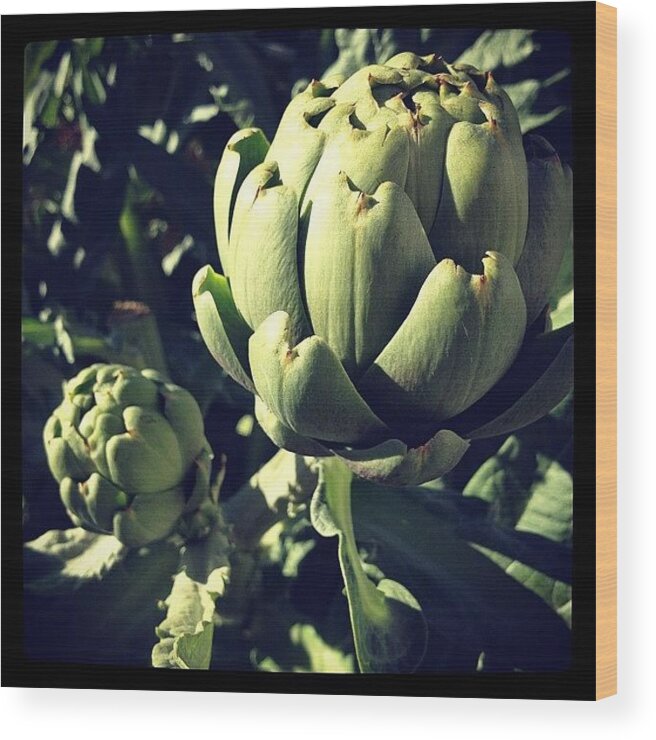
[(606, 359)]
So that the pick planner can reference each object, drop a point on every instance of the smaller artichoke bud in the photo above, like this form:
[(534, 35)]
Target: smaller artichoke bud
[(128, 450)]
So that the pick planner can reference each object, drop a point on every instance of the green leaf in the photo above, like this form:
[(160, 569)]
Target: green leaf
[(108, 621), (40, 333), (36, 98), (515, 50), (530, 490), (471, 605), (246, 97), (60, 560), (92, 46), (36, 54), (185, 635), (539, 491), (282, 484), (556, 594), (206, 561), (563, 313), (320, 657), (504, 48), (355, 50), (525, 95), (505, 476), (549, 510)]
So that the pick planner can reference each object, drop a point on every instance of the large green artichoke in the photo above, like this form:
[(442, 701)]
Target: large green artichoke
[(128, 450), (387, 262)]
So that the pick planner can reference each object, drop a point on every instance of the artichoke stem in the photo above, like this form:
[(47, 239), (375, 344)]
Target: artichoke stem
[(134, 324), (338, 497)]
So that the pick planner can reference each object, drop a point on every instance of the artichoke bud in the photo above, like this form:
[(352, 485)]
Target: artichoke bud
[(132, 456), (356, 309)]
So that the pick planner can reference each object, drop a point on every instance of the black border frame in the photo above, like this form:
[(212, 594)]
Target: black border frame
[(578, 19)]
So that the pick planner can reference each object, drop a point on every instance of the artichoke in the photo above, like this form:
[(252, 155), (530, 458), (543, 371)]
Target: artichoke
[(128, 450), (387, 262)]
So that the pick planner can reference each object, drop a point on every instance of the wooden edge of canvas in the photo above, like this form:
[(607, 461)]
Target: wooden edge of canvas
[(606, 352)]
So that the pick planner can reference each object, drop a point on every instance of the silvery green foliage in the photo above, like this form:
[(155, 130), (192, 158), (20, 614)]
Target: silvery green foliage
[(185, 635), (61, 560), (512, 49), (129, 452), (387, 264)]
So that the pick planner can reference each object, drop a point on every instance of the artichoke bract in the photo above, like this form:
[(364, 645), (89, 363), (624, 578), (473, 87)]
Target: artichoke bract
[(128, 450), (386, 267)]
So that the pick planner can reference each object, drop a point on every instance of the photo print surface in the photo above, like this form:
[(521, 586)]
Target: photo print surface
[(298, 353)]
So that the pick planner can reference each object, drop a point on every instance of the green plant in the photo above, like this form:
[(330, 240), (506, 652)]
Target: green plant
[(299, 565), (353, 303), (129, 452)]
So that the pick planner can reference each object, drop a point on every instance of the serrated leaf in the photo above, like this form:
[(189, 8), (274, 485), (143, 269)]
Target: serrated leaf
[(61, 560), (354, 51), (206, 561), (285, 482), (525, 96), (549, 509), (506, 476), (361, 46), (185, 635), (503, 48), (510, 51)]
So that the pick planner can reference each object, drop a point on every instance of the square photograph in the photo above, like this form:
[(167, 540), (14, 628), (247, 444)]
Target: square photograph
[(299, 405)]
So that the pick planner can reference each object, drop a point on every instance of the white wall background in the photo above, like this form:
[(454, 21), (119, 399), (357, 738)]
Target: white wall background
[(102, 715)]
